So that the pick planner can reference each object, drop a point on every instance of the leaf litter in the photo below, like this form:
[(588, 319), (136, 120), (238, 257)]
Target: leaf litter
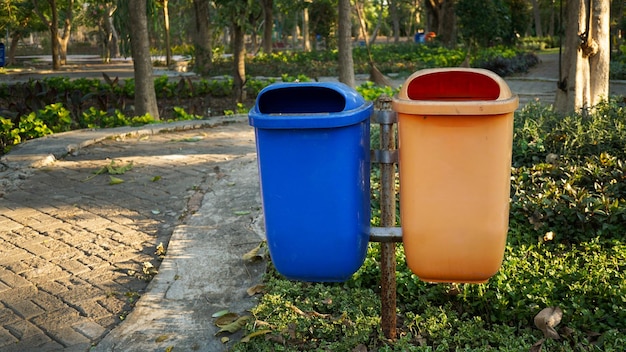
[(112, 169)]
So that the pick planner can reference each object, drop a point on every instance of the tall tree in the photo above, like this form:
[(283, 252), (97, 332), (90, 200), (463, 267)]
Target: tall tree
[(239, 13), (442, 20), (268, 24), (395, 19), (306, 34), (346, 62), (166, 27), (537, 18), (145, 96), (17, 21), (48, 12), (101, 14), (585, 64), (202, 36)]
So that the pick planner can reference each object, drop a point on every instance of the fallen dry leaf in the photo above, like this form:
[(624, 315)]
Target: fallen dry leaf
[(234, 326), (547, 319), (248, 337), (255, 253), (260, 288), (161, 338), (226, 319)]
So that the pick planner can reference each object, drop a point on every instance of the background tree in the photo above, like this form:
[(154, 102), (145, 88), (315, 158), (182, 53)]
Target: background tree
[(145, 96), (238, 14), (537, 18), (345, 62), (585, 63), (202, 37), (394, 14), (17, 20), (441, 18), (164, 4), (48, 12), (323, 15), (484, 23), (268, 24), (100, 14), (306, 34)]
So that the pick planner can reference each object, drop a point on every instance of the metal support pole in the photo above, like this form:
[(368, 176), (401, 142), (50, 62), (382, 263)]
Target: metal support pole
[(386, 119)]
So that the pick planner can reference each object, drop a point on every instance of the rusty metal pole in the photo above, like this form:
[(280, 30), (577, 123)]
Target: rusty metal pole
[(387, 119)]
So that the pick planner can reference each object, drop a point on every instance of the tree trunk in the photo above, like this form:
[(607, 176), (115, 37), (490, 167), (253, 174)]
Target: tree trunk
[(442, 19), (395, 19), (358, 8), (585, 67), (268, 24), (111, 38), (537, 18), (67, 30), (15, 38), (202, 37), (239, 56), (346, 63), (168, 44), (145, 96), (54, 35), (447, 24), (306, 36)]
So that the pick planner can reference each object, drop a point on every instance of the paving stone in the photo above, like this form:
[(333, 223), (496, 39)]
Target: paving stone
[(7, 224), (4, 287), (12, 280), (43, 272), (53, 287), (90, 329), (13, 254), (6, 338), (7, 316), (38, 343), (69, 337), (23, 307), (74, 267), (81, 292), (22, 329), (49, 302), (91, 309)]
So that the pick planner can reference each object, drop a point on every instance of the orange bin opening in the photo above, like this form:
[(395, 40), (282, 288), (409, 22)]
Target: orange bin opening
[(453, 86)]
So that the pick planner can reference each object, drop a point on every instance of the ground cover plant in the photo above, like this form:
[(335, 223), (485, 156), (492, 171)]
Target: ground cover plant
[(565, 249)]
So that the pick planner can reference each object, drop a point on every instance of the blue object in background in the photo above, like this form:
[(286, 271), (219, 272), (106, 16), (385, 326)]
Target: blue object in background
[(313, 149), (2, 61)]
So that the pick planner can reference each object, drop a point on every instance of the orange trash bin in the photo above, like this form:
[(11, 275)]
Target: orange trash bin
[(455, 132)]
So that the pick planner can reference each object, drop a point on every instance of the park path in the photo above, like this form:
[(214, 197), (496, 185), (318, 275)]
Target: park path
[(74, 247)]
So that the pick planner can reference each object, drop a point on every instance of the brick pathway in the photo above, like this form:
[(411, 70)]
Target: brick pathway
[(73, 246)]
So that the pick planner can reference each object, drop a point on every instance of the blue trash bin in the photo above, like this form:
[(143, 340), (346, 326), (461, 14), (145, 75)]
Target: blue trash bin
[(313, 152)]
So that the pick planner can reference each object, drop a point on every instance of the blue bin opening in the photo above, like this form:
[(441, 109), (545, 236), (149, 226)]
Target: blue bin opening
[(301, 100), (309, 105)]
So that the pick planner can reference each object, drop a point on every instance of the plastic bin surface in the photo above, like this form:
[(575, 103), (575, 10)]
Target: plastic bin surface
[(313, 147), (455, 130)]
